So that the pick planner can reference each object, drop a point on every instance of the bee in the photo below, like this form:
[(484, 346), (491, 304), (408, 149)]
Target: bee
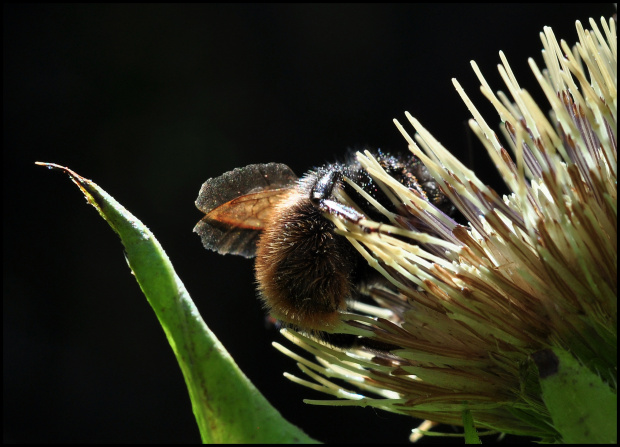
[(305, 272)]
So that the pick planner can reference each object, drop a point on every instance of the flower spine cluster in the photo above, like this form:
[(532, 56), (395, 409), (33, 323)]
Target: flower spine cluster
[(466, 306)]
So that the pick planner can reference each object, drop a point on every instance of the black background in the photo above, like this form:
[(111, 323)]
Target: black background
[(149, 102)]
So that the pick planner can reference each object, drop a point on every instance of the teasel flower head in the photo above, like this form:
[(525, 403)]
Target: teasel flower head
[(466, 307)]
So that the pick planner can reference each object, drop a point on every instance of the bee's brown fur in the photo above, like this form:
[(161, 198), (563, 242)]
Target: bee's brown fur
[(303, 269)]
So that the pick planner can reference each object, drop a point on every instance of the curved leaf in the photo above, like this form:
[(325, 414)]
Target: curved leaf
[(227, 406)]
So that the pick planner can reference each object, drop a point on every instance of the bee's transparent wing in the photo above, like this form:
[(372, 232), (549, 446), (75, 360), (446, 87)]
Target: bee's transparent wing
[(237, 205)]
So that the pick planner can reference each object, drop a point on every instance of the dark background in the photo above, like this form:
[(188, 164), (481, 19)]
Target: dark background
[(149, 102)]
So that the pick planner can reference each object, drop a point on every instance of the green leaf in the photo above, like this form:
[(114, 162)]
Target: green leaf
[(583, 407), (471, 436), (227, 406)]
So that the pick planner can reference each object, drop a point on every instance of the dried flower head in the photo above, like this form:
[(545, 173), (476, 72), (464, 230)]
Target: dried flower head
[(536, 269)]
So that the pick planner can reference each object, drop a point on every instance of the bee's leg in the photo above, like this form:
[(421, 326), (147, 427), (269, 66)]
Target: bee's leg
[(322, 197), (340, 210)]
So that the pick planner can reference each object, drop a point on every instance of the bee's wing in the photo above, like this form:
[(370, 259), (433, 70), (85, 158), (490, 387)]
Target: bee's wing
[(237, 205), (234, 227)]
